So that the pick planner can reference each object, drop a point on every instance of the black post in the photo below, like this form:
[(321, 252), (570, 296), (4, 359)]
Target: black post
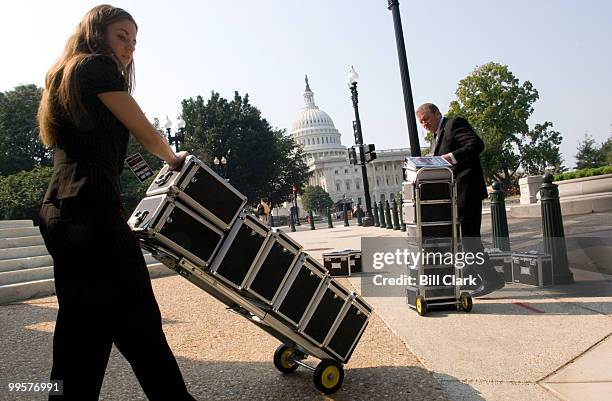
[(413, 135), (297, 211), (388, 215), (367, 221), (312, 226), (499, 221), (292, 223), (552, 227), (375, 214), (396, 224), (381, 211), (346, 223), (359, 219), (401, 216), (329, 219)]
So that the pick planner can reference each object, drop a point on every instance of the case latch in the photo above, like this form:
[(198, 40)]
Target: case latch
[(162, 179), (139, 217)]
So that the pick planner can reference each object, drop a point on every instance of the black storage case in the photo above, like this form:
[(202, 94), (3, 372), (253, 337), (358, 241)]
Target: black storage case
[(300, 289), (240, 251), (160, 220), (502, 262), (348, 328), (342, 262), (429, 191), (202, 189), (326, 308), (431, 211), (272, 268), (532, 268)]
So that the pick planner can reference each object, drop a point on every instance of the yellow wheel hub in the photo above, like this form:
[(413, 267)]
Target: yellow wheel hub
[(330, 376), (419, 305), (464, 302), (284, 360)]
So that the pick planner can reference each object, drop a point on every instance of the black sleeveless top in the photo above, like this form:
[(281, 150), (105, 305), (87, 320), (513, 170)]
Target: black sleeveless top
[(89, 155)]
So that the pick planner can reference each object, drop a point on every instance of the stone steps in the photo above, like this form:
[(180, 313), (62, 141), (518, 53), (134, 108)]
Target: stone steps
[(16, 223), (26, 268), (20, 242), (23, 252), (18, 232)]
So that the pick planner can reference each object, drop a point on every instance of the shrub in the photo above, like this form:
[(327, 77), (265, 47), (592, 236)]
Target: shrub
[(21, 194), (586, 172)]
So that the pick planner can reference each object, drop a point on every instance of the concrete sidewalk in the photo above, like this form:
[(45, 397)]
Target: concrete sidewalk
[(519, 343)]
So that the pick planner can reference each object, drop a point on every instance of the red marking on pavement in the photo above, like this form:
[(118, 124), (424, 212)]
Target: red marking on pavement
[(531, 308)]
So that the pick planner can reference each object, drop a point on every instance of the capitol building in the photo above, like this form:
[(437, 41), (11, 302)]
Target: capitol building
[(327, 159)]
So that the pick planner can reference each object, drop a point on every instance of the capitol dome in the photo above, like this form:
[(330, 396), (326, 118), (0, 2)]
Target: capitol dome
[(315, 131)]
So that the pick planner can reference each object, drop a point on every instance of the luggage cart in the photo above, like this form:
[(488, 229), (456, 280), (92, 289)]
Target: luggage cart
[(429, 210), (296, 347), (257, 272)]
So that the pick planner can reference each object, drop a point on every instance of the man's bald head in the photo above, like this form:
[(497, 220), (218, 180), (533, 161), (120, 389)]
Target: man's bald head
[(429, 116), (428, 107)]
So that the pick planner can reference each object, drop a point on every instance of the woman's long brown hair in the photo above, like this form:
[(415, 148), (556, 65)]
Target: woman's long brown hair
[(61, 84)]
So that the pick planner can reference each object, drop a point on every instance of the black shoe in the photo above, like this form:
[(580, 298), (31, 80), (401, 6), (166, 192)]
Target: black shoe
[(487, 286), (471, 287)]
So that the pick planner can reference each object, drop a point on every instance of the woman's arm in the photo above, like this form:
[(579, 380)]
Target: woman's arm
[(125, 108)]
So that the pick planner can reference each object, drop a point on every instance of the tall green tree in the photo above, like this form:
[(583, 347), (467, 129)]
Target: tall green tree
[(606, 151), (498, 105), (261, 161), (589, 154), (20, 148), (316, 198), (539, 149)]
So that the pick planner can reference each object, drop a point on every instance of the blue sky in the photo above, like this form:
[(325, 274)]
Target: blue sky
[(264, 48)]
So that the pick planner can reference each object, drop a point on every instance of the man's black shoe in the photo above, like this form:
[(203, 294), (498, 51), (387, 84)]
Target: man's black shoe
[(488, 286)]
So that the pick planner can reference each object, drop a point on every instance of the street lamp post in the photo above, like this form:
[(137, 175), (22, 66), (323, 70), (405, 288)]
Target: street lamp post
[(221, 165), (413, 135), (352, 79), (179, 135), (295, 206)]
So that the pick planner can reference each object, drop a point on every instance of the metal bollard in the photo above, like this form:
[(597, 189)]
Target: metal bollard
[(297, 217), (292, 223), (329, 219), (375, 215), (499, 221), (312, 226), (401, 216), (396, 225), (346, 223), (359, 221), (552, 227), (381, 212), (388, 215)]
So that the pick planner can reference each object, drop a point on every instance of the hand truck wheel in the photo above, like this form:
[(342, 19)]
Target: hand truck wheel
[(421, 305), (465, 302), (328, 376), (283, 361)]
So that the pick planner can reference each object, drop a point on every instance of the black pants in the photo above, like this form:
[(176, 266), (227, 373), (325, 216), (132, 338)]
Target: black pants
[(470, 217), (105, 297)]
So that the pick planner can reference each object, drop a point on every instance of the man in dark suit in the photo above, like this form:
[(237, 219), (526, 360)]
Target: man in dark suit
[(455, 140)]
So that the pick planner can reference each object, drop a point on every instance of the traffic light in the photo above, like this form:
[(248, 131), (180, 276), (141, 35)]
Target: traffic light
[(369, 152), (352, 155)]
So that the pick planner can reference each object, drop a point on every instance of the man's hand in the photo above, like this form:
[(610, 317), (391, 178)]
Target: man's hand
[(447, 157)]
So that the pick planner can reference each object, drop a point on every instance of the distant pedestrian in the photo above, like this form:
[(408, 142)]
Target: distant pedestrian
[(263, 211)]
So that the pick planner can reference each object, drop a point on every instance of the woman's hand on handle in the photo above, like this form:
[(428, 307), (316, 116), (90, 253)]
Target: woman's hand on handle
[(177, 163)]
